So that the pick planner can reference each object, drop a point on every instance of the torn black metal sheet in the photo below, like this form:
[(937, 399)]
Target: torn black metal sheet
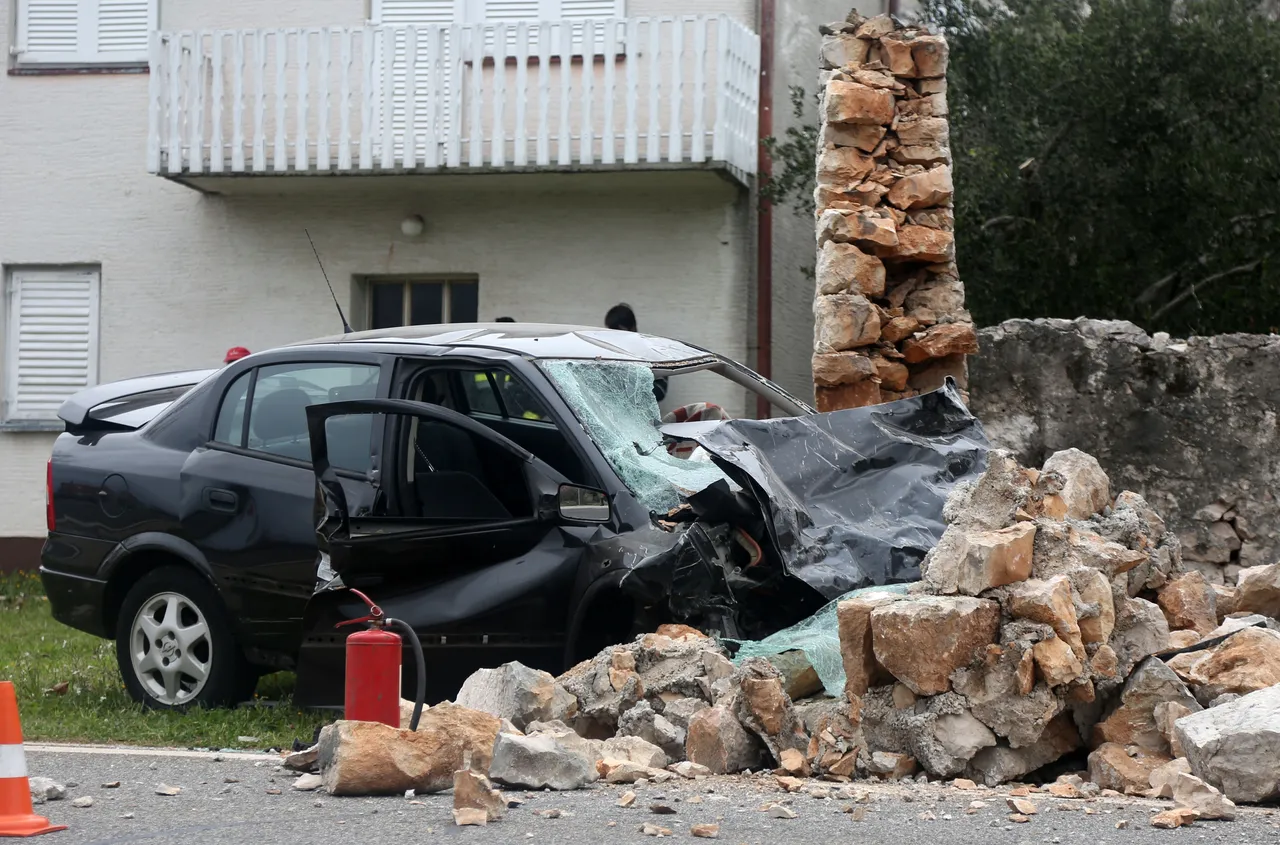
[(855, 497)]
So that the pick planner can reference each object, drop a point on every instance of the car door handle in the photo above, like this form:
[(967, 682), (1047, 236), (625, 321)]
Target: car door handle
[(220, 500)]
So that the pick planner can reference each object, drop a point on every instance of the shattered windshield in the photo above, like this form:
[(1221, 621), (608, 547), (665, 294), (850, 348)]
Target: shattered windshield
[(614, 401)]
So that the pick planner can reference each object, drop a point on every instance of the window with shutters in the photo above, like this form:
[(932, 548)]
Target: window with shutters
[(51, 343), (83, 32)]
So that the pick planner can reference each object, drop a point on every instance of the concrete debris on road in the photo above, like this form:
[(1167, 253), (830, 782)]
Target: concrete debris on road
[(167, 790), (45, 789), (83, 802)]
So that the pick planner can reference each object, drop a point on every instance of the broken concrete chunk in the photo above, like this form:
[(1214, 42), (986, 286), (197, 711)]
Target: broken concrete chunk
[(891, 765), (633, 749), (718, 741), (540, 761), (1001, 763), (1141, 630), (1258, 590), (681, 711), (1086, 489), (971, 561), (957, 627), (1050, 603), (641, 721), (369, 758), (1094, 591), (763, 707), (516, 692), (45, 789)]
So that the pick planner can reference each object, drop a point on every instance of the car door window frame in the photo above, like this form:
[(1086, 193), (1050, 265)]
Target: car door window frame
[(395, 436), (383, 363)]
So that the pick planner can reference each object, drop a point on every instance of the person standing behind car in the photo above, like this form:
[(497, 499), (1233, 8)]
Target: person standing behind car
[(622, 318)]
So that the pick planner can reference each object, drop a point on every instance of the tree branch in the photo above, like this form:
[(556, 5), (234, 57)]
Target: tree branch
[(1191, 290)]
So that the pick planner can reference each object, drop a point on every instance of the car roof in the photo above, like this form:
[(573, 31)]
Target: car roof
[(533, 340)]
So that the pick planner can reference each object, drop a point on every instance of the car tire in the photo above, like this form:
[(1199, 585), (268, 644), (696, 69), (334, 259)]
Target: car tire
[(174, 643)]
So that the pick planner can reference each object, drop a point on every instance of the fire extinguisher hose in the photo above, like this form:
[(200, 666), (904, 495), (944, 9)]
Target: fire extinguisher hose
[(421, 663)]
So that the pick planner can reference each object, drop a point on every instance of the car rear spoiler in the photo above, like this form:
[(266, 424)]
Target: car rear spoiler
[(94, 407)]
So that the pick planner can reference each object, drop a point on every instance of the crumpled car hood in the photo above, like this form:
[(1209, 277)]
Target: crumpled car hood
[(854, 498)]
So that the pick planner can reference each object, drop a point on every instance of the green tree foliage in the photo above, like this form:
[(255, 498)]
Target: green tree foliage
[(1114, 159), (1117, 159)]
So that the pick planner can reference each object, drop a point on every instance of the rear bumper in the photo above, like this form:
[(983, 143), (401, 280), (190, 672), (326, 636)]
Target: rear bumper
[(76, 600)]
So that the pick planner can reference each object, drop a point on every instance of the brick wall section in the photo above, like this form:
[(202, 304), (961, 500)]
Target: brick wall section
[(889, 315)]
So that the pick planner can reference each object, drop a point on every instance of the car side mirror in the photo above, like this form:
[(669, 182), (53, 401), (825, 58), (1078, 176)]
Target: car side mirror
[(583, 504)]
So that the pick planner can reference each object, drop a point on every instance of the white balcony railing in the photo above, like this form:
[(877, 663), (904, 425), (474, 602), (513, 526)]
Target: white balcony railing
[(634, 91)]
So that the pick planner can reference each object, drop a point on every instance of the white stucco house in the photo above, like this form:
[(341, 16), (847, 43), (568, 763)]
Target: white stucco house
[(163, 161)]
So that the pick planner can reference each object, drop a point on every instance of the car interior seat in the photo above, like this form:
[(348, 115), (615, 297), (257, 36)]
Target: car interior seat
[(279, 422), (449, 477)]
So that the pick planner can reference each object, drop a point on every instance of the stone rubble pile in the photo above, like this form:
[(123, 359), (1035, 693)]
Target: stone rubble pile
[(889, 315), (1052, 620)]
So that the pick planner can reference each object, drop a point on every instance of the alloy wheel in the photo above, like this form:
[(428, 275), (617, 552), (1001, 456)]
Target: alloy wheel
[(171, 648)]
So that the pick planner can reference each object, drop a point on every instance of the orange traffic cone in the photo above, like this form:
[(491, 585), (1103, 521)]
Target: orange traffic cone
[(16, 817)]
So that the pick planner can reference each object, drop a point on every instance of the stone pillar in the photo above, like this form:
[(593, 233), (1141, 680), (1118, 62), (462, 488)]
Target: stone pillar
[(889, 315)]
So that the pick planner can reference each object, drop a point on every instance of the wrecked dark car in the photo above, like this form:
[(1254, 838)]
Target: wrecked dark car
[(513, 492)]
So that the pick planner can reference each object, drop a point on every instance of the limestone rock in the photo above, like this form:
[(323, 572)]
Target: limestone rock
[(849, 102), (864, 137), (764, 708), (1003, 694), (1086, 490), (1049, 603), (516, 692), (891, 765), (1134, 720), (1236, 747), (971, 561), (1141, 630), (44, 789), (1207, 802), (844, 268), (929, 53), (1167, 713), (1058, 665), (841, 49), (867, 228), (633, 749), (899, 328), (844, 321), (1245, 662), (922, 190), (681, 711), (861, 670), (896, 53), (1110, 767), (1172, 819), (958, 628), (837, 739), (642, 721), (1162, 777), (540, 761), (1063, 549), (1189, 604), (1224, 598), (934, 246), (933, 301), (1094, 590), (938, 732), (369, 758), (839, 368), (303, 761), (840, 168), (473, 791), (624, 771), (799, 678), (718, 741), (1258, 590)]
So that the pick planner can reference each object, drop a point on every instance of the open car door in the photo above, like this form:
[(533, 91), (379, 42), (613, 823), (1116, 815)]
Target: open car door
[(457, 530)]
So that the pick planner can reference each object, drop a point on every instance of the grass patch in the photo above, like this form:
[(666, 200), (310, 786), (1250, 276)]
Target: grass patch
[(37, 654)]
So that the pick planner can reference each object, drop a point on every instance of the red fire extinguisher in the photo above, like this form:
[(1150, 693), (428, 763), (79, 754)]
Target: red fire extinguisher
[(373, 669)]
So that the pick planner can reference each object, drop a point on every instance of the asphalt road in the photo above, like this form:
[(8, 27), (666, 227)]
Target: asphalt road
[(232, 801)]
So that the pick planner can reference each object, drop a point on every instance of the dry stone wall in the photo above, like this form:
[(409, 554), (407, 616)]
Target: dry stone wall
[(1190, 424), (889, 315)]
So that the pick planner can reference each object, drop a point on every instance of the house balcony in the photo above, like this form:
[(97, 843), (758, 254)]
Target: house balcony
[(535, 96)]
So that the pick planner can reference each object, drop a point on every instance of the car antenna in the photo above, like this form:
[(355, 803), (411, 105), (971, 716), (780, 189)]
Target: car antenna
[(346, 327)]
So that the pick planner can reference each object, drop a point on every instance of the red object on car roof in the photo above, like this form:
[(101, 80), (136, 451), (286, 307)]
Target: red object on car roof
[(235, 353)]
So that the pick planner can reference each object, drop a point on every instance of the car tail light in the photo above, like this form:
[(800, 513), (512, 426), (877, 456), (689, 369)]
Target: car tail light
[(48, 497)]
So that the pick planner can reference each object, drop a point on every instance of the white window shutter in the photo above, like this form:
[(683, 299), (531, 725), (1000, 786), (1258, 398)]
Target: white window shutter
[(393, 111), (52, 346), (84, 32), (124, 28)]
